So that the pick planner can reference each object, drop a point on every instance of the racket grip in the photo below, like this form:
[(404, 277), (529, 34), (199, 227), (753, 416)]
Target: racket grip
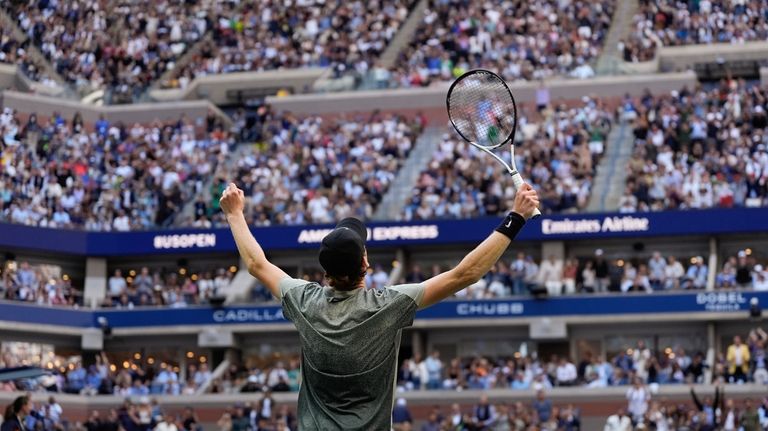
[(518, 181)]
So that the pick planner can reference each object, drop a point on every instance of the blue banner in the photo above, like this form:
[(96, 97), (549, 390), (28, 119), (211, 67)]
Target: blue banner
[(438, 232), (585, 305)]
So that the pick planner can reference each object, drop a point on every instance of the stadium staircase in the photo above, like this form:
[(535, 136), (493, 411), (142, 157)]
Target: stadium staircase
[(404, 35), (394, 200), (621, 25), (6, 21), (608, 185)]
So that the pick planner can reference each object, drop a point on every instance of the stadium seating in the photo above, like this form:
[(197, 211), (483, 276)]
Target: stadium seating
[(13, 51), (117, 177), (121, 49), (664, 23), (557, 154), (314, 170), (698, 148), (525, 275), (344, 36), (524, 41)]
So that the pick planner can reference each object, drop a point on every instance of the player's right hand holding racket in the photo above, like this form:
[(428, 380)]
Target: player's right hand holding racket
[(526, 201)]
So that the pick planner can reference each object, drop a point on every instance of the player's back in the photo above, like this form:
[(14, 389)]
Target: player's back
[(350, 342)]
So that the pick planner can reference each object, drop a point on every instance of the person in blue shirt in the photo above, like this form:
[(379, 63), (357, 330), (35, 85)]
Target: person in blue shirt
[(102, 126), (400, 413), (542, 406), (76, 379)]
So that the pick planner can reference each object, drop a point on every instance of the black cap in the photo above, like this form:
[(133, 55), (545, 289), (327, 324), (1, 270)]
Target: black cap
[(342, 250)]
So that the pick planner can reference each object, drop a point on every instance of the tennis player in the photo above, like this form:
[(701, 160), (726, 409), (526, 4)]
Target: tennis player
[(350, 335)]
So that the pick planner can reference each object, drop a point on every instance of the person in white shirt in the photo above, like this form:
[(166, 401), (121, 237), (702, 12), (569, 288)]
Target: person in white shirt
[(618, 422), (638, 397), (165, 423), (117, 284), (551, 275), (673, 272), (566, 373), (759, 278), (54, 410)]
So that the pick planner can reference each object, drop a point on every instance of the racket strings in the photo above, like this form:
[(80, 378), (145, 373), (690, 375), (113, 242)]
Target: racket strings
[(482, 109)]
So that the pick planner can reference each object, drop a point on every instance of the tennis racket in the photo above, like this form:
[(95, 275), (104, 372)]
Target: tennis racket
[(483, 111)]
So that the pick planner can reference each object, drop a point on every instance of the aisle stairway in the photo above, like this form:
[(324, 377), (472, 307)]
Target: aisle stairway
[(621, 25), (404, 35), (608, 185), (394, 200), (7, 22)]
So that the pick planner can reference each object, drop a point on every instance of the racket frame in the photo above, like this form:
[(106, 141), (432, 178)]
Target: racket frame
[(517, 179)]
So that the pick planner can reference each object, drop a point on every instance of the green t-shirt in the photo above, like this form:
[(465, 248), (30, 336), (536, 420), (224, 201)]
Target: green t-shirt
[(349, 343)]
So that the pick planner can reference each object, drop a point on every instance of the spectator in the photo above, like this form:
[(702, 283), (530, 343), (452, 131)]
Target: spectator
[(401, 416), (16, 413), (551, 275), (484, 414), (566, 373), (673, 273), (164, 423), (601, 272), (657, 267), (432, 423), (434, 370), (542, 406), (743, 271), (696, 276), (760, 278), (638, 397), (738, 361)]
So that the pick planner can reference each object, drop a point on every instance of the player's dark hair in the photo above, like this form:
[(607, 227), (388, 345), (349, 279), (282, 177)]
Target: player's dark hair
[(345, 282)]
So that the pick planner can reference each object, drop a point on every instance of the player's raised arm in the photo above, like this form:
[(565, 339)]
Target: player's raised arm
[(232, 203), (480, 260)]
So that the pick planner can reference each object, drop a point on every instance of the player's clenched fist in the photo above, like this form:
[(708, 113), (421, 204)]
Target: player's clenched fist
[(526, 201), (232, 200)]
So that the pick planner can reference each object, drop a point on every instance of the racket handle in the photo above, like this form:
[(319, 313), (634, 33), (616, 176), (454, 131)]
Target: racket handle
[(518, 181)]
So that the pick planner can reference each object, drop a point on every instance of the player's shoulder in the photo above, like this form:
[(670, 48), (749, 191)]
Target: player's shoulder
[(290, 286), (415, 291)]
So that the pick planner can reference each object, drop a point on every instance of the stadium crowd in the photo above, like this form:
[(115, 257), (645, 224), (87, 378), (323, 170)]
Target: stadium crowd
[(660, 23), (559, 159), (596, 274), (342, 35), (145, 414), (698, 148), (14, 51), (47, 285), (120, 48), (741, 362), (132, 378), (56, 173), (175, 289), (519, 40), (316, 170)]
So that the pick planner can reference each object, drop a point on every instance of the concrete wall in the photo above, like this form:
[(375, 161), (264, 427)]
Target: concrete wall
[(235, 87), (45, 106), (7, 76), (679, 58), (416, 99)]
